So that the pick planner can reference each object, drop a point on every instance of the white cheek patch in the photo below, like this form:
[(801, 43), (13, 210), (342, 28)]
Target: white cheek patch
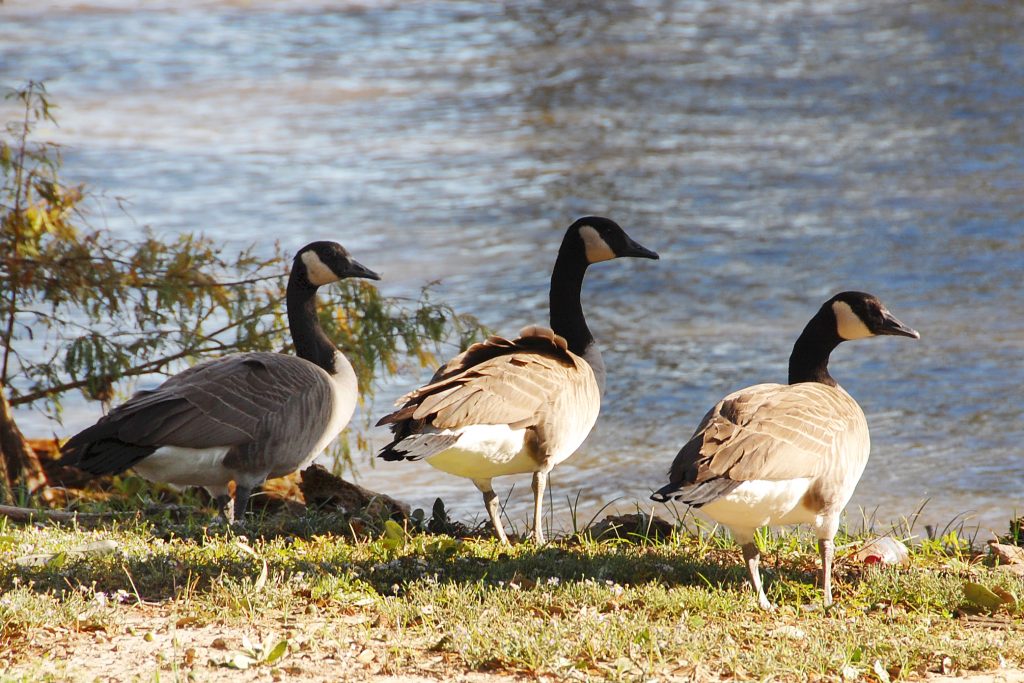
[(597, 249), (316, 270), (848, 324)]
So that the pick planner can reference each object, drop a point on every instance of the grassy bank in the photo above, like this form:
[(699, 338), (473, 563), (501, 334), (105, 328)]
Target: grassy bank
[(305, 598)]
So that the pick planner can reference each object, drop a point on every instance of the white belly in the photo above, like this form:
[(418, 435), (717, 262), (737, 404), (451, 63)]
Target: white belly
[(485, 451), (186, 466), (754, 504)]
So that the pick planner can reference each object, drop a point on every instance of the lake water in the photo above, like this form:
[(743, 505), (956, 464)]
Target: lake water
[(772, 152)]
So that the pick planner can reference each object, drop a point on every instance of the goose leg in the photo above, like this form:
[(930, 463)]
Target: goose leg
[(826, 548), (540, 480), (493, 510), (242, 494), (224, 508), (752, 558), (222, 498)]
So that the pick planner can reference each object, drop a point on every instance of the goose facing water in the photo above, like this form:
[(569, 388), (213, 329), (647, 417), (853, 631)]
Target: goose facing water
[(522, 405), (775, 454), (244, 417)]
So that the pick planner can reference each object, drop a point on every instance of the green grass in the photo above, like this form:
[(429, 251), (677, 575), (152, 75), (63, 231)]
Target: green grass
[(618, 609)]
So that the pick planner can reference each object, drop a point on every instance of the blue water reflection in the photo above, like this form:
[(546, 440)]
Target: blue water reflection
[(773, 153)]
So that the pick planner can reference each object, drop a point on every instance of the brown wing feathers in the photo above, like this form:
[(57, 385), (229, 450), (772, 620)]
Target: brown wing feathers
[(498, 381), (769, 432)]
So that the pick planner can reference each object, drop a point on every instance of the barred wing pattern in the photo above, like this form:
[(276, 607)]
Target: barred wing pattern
[(531, 382), (770, 432), (230, 401)]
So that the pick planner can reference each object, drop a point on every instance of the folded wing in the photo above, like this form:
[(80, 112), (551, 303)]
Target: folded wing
[(524, 383), (224, 402), (764, 432)]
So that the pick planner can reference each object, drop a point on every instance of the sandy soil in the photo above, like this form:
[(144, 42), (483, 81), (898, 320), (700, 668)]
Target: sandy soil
[(153, 640)]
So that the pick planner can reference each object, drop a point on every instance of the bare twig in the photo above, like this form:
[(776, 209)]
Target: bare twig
[(19, 514)]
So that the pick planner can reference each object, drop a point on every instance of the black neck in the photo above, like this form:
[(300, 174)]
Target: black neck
[(566, 310), (311, 343), (809, 360)]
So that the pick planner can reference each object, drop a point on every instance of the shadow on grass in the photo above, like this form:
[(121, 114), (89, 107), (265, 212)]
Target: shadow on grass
[(179, 553)]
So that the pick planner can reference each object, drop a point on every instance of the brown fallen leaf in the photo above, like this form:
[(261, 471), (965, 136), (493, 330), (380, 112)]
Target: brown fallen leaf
[(1008, 598), (981, 596)]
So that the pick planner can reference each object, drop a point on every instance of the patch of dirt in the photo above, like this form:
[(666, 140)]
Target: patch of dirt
[(152, 642)]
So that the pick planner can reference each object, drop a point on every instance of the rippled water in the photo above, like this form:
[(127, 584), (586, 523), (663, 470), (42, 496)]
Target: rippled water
[(773, 153)]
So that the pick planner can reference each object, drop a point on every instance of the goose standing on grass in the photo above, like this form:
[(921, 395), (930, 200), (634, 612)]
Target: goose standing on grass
[(521, 405), (245, 417), (792, 453)]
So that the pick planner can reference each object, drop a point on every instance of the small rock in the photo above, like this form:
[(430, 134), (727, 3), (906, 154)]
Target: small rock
[(323, 489), (791, 632), (1006, 554), (1015, 569), (219, 644)]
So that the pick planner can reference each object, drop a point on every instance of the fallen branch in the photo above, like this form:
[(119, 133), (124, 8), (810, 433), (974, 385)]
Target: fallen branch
[(19, 514)]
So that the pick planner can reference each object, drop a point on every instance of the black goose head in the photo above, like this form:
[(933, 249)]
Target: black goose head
[(846, 316), (595, 239), (859, 314), (321, 263)]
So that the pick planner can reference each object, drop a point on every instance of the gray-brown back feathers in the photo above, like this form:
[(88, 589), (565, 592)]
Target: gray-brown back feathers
[(532, 381), (770, 432), (234, 401)]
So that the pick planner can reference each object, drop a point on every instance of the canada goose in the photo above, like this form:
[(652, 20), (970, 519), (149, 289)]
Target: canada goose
[(521, 405), (786, 453), (245, 417)]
